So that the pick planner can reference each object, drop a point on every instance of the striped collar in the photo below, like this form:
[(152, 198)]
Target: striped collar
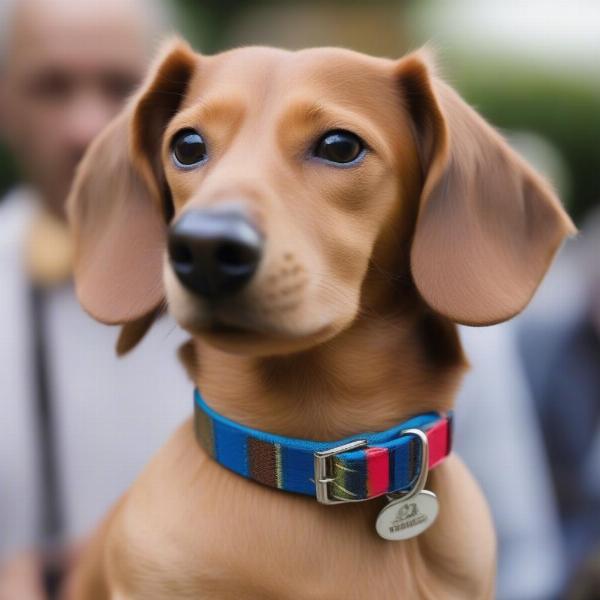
[(357, 468)]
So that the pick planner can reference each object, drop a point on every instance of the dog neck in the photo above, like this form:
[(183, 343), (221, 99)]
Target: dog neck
[(377, 373)]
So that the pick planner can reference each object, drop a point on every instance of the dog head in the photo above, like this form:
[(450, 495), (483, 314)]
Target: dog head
[(267, 197)]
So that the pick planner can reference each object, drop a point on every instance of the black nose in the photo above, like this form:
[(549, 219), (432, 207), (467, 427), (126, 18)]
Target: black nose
[(214, 253)]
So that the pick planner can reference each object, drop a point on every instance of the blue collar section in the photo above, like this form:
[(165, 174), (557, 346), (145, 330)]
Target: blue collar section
[(375, 463)]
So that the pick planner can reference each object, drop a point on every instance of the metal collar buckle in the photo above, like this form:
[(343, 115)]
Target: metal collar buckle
[(323, 462), (323, 471)]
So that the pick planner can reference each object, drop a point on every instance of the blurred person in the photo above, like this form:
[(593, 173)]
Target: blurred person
[(75, 425), (561, 349), (497, 434)]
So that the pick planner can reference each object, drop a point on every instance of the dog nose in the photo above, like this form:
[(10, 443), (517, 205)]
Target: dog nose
[(214, 253)]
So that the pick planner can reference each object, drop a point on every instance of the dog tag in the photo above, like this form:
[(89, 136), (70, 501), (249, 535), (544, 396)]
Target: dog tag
[(405, 518)]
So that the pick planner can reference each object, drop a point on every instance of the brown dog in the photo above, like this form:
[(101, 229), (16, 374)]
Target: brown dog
[(361, 209)]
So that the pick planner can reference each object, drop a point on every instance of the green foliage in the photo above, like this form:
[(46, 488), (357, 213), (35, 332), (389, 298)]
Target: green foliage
[(565, 110)]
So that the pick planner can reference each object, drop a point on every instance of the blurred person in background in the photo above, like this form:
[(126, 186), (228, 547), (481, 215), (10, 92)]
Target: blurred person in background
[(562, 353), (75, 425), (497, 434)]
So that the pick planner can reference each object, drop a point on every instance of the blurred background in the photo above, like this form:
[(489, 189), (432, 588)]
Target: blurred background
[(531, 68)]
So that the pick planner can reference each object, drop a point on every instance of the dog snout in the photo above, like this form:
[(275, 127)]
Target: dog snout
[(214, 253)]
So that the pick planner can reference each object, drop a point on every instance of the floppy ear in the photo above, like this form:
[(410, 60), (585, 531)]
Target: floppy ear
[(488, 226), (117, 203)]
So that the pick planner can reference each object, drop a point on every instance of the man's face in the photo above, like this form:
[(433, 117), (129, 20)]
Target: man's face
[(69, 67)]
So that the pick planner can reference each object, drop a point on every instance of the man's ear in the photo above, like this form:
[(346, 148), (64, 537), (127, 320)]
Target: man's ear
[(116, 205), (488, 226)]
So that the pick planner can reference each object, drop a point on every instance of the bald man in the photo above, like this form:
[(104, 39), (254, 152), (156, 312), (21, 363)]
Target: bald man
[(75, 425)]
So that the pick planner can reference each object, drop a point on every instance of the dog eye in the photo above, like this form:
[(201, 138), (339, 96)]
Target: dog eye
[(339, 147), (188, 149)]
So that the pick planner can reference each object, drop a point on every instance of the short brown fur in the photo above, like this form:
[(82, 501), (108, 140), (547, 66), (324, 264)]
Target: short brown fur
[(348, 326)]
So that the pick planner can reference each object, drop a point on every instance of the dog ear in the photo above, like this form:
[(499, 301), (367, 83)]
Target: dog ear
[(487, 225), (132, 333), (115, 207)]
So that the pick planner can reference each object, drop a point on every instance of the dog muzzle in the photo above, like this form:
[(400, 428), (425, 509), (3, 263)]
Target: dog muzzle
[(392, 463)]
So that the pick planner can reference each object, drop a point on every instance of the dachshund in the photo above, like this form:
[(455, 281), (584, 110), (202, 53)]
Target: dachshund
[(319, 221)]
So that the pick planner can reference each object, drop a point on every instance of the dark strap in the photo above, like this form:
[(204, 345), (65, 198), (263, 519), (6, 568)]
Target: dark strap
[(51, 524)]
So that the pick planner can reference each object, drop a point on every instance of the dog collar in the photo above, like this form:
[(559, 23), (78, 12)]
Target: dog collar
[(357, 468)]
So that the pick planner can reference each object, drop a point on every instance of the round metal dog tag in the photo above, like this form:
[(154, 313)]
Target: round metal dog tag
[(406, 518)]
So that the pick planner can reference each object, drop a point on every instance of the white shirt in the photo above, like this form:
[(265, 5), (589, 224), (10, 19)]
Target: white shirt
[(111, 414)]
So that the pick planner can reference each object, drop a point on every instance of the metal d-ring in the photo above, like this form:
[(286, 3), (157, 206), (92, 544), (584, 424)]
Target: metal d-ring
[(423, 471)]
